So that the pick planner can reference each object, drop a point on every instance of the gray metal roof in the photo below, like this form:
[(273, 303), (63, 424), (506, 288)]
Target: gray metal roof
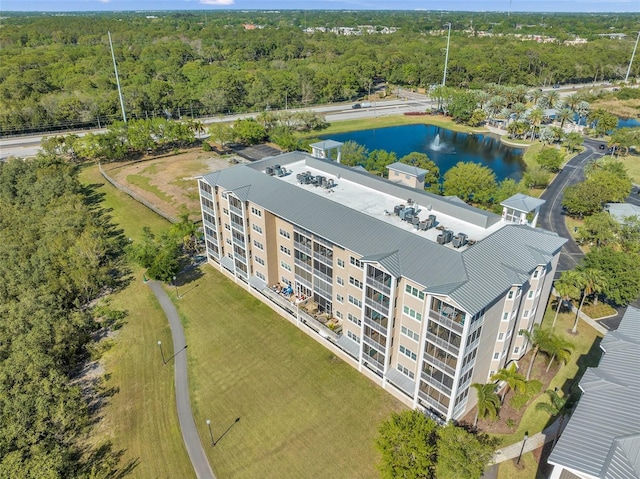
[(326, 144), (474, 278), (602, 438), (525, 203), (622, 211), (407, 169)]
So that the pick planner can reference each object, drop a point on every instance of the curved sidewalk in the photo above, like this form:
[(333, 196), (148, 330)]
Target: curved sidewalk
[(185, 416), (533, 443)]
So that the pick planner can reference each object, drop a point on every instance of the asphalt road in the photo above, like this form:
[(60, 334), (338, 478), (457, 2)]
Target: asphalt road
[(552, 216)]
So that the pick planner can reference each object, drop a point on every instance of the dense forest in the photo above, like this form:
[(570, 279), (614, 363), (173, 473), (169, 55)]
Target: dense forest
[(58, 253), (56, 70)]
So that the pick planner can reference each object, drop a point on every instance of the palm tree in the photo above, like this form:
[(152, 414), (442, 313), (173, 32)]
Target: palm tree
[(488, 401), (572, 101), (563, 115), (512, 377), (539, 338), (582, 109), (535, 118), (573, 140), (557, 406), (552, 98), (535, 95), (567, 288), (557, 348), (591, 281)]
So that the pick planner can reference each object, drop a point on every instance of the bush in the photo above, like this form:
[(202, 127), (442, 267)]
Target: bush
[(206, 146), (519, 400)]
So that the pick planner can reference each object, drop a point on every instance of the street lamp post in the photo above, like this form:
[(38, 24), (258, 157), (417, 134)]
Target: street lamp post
[(175, 283), (626, 78), (161, 352), (526, 436), (446, 57), (213, 443)]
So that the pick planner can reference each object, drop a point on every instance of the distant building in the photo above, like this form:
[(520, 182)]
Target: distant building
[(423, 294), (621, 212), (602, 438)]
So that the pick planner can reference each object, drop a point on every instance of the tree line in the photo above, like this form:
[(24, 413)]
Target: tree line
[(58, 253), (57, 72)]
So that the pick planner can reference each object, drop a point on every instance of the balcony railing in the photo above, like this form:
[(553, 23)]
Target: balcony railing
[(379, 286), (237, 226), (303, 248), (456, 323), (373, 343), (432, 402), (442, 365), (446, 345), (380, 307), (236, 210), (432, 382), (375, 325), (321, 328)]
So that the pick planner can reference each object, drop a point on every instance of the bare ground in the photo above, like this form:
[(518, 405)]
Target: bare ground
[(169, 181)]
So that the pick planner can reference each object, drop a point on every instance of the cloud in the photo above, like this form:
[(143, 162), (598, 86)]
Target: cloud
[(217, 2)]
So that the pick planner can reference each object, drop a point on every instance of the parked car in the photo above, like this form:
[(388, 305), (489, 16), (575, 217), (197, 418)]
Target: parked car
[(556, 86), (602, 146)]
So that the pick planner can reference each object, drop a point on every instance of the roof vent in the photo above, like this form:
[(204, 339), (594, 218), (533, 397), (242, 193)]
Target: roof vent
[(445, 237), (460, 240)]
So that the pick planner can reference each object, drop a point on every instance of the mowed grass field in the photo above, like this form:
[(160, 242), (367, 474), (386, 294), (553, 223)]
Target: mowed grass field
[(303, 412)]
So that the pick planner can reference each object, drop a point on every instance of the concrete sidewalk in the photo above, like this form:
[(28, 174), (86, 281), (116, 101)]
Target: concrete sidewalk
[(190, 435), (533, 443)]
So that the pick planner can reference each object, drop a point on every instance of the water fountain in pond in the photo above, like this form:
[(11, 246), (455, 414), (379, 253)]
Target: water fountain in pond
[(435, 144)]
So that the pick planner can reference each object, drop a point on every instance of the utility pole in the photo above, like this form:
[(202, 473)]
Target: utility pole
[(446, 57), (626, 78), (115, 69)]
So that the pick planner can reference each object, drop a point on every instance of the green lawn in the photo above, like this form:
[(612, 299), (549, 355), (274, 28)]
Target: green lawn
[(140, 418), (304, 413), (632, 162)]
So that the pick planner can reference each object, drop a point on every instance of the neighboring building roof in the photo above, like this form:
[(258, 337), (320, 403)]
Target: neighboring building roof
[(326, 144), (622, 211), (471, 278), (524, 203), (407, 169), (602, 438)]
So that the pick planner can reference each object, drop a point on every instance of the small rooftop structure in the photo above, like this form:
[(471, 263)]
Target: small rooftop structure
[(324, 149), (622, 211), (408, 175), (516, 209)]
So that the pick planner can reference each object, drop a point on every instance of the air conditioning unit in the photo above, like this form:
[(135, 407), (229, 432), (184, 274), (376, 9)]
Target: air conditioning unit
[(460, 240), (445, 237), (397, 209)]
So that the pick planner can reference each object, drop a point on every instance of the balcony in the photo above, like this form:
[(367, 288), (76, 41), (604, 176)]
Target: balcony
[(375, 325), (447, 318), (446, 345), (303, 248), (380, 307), (236, 210), (378, 285)]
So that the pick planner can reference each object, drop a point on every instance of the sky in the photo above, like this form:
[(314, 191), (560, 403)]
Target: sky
[(465, 5)]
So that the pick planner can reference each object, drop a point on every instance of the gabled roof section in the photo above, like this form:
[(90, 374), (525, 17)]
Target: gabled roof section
[(524, 203), (326, 144), (407, 169), (602, 438), (389, 261), (242, 193)]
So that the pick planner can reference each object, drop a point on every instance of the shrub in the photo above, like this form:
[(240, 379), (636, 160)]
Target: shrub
[(520, 399), (206, 146)]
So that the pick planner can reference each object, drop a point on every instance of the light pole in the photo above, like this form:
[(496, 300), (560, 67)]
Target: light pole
[(626, 78), (161, 352), (446, 57), (526, 436), (115, 69), (213, 443), (175, 283)]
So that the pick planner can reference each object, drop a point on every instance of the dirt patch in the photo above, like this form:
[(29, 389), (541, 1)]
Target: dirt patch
[(169, 182), (623, 108), (509, 418)]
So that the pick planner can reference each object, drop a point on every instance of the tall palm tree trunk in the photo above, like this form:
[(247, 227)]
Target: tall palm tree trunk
[(574, 330), (550, 362), (533, 358), (560, 301)]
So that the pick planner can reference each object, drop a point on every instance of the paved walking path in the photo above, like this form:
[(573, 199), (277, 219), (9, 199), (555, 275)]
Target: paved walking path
[(533, 443), (185, 416)]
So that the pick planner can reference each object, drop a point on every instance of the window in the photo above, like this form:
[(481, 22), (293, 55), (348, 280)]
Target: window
[(338, 314), (355, 262), (530, 295), (258, 245), (227, 227), (501, 337), (354, 319), (355, 301), (225, 211), (412, 313), (228, 241), (406, 371), (355, 282), (259, 260), (525, 314), (339, 298), (285, 281), (285, 250), (496, 356), (256, 211), (520, 333), (491, 373), (505, 316), (340, 281), (536, 273), (340, 263), (260, 275), (256, 228), (410, 333), (285, 265), (408, 353), (414, 291), (353, 337), (285, 233), (510, 295), (516, 350)]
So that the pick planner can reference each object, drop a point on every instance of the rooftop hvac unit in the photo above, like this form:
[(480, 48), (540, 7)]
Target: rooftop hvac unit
[(300, 177), (330, 183), (319, 180), (405, 213), (445, 237), (279, 172), (460, 240), (397, 209), (276, 166), (409, 201), (270, 171), (416, 220)]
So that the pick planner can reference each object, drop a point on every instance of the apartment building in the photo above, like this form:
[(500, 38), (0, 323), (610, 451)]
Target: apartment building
[(423, 294)]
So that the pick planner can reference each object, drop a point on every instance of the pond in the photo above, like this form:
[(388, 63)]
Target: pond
[(442, 146)]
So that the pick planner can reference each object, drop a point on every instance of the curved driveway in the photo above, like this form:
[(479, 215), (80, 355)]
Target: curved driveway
[(552, 216), (185, 416)]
